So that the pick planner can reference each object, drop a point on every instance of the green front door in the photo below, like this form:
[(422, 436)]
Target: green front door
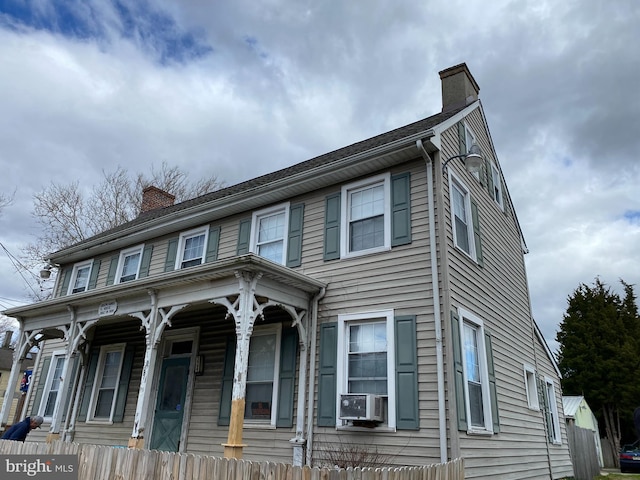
[(172, 390)]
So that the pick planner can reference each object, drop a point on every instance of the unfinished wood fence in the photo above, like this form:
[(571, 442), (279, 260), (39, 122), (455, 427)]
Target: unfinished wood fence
[(109, 463), (584, 455)]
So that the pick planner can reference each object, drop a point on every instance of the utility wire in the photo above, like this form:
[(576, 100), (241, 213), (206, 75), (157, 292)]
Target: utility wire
[(20, 268)]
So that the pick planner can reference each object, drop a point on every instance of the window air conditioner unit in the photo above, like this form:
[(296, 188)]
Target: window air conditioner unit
[(361, 406)]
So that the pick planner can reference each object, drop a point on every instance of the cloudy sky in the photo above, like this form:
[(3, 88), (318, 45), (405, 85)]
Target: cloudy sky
[(243, 88)]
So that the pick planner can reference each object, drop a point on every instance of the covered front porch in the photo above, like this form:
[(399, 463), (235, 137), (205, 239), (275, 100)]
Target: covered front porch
[(193, 384)]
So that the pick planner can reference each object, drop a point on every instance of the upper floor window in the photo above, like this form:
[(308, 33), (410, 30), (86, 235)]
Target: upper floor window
[(262, 374), (551, 407), (366, 217), (51, 394), (462, 221), (531, 387), (496, 184), (129, 264), (80, 277), (191, 249), (103, 397), (269, 233)]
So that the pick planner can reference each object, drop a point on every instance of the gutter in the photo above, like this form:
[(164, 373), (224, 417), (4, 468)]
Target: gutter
[(433, 254)]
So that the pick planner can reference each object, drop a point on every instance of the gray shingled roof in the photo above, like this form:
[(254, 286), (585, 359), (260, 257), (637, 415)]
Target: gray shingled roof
[(327, 158)]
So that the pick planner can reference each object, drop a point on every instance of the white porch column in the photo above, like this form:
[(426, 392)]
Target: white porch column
[(24, 341), (243, 311)]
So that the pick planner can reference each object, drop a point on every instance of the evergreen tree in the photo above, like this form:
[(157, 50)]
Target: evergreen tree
[(599, 355)]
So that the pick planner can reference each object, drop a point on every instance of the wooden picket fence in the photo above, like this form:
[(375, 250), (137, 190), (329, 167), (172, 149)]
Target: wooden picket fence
[(109, 463)]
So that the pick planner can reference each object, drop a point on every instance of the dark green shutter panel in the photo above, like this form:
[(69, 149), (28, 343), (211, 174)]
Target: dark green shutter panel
[(145, 262), (294, 244), (327, 374), (123, 384), (332, 227), (212, 244), (88, 383), (407, 414), (493, 391), (476, 231), (462, 139), (172, 251), (66, 278), (71, 373), (42, 380), (244, 236), (93, 278), (400, 209), (459, 373), (113, 267), (286, 387), (226, 391)]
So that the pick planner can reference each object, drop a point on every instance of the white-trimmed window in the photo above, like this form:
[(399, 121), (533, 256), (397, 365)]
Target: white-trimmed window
[(476, 373), (553, 419), (262, 375), (80, 277), (191, 247), (497, 186), (462, 219), (51, 393), (269, 233), (105, 387), (129, 264), (366, 357), (366, 216), (531, 387)]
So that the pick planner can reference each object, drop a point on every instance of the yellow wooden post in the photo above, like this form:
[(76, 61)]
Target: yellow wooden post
[(233, 447)]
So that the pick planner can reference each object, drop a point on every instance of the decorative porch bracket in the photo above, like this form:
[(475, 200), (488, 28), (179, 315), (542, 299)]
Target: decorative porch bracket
[(153, 323), (244, 311)]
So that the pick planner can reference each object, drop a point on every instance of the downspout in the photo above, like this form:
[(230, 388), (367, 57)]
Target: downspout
[(433, 254), (312, 372)]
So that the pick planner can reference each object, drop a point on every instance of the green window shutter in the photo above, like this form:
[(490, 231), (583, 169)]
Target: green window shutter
[(407, 414), (400, 209), (224, 414), (212, 244), (332, 227), (88, 383), (75, 361), (123, 384), (145, 262), (286, 387), (93, 278), (244, 236), (461, 408), (42, 380), (493, 391), (113, 266), (327, 375), (294, 245), (64, 284), (462, 139), (172, 251), (476, 231)]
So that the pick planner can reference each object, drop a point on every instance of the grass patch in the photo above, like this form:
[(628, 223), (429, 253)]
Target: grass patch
[(618, 476)]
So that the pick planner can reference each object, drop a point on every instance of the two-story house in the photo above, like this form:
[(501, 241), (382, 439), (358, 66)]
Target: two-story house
[(375, 295)]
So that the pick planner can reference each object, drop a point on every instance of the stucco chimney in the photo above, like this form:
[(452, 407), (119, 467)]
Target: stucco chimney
[(459, 88), (153, 197)]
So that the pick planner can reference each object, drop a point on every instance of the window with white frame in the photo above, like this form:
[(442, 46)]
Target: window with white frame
[(462, 218), (476, 373), (553, 419), (497, 186), (80, 277), (129, 264), (366, 216), (191, 249), (103, 397), (262, 374), (531, 387), (269, 233), (51, 393), (366, 358)]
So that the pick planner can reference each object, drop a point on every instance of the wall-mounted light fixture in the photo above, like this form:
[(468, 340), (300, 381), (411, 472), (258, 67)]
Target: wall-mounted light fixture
[(45, 273), (472, 159)]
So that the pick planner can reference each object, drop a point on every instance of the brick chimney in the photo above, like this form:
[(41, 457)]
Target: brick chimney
[(153, 197), (459, 88)]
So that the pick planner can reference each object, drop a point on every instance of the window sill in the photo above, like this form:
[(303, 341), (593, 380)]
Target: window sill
[(364, 253), (351, 428), (99, 422), (485, 433), (259, 426)]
